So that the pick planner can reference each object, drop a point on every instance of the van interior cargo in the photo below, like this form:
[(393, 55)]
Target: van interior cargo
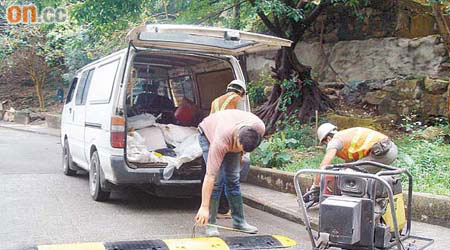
[(168, 95)]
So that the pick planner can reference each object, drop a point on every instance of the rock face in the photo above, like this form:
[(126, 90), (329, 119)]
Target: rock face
[(343, 122), (375, 58), (430, 133), (425, 96)]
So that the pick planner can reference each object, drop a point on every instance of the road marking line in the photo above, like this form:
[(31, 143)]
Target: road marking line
[(285, 241), (79, 246), (197, 244)]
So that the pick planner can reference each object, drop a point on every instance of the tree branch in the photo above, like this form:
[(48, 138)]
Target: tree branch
[(315, 13), (220, 12), (267, 22), (301, 4), (276, 20)]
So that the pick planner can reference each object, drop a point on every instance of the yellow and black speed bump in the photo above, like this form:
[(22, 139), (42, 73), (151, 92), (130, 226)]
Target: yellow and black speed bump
[(215, 243)]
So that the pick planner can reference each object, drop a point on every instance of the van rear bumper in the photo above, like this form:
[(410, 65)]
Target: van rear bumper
[(122, 174)]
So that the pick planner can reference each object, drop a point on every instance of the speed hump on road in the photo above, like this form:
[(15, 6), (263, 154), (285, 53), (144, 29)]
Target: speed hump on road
[(216, 243)]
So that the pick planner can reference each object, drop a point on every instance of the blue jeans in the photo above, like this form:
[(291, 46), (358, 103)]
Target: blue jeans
[(229, 172)]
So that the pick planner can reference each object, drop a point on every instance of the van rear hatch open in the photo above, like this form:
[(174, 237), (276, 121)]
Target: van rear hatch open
[(203, 39)]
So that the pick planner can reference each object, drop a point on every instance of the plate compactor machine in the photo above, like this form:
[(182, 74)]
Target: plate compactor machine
[(355, 208)]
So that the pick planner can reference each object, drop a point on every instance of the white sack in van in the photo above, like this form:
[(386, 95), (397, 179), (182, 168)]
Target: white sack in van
[(187, 151), (136, 149), (141, 121), (175, 135), (153, 138)]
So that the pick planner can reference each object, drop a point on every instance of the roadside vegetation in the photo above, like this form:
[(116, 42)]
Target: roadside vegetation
[(294, 146)]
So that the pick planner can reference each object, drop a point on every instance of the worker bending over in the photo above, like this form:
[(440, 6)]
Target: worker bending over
[(224, 137), (235, 92), (354, 144)]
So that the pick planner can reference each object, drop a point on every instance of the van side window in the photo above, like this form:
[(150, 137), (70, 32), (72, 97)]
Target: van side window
[(103, 82), (83, 87), (86, 86), (182, 87), (72, 88)]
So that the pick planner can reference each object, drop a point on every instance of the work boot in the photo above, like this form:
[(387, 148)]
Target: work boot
[(213, 207), (237, 213)]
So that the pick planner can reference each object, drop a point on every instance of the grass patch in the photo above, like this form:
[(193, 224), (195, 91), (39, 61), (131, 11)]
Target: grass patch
[(427, 161), (293, 148)]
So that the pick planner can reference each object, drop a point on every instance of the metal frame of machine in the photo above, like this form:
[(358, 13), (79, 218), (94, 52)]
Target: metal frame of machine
[(335, 170)]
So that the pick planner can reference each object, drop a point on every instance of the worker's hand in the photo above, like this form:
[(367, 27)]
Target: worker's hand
[(201, 218), (313, 195)]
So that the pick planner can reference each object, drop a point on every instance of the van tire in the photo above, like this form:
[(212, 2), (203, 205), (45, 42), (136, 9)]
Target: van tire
[(95, 189), (68, 164)]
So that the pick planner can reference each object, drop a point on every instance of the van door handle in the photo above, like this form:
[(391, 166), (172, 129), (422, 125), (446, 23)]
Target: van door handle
[(70, 110)]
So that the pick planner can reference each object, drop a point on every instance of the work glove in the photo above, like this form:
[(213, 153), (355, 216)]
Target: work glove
[(312, 196)]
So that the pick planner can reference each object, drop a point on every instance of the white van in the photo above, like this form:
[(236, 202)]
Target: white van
[(123, 117)]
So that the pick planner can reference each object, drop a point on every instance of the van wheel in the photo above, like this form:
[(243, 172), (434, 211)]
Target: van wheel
[(97, 193), (68, 164)]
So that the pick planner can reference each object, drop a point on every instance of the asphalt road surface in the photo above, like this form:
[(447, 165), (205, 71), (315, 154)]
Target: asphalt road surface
[(40, 205)]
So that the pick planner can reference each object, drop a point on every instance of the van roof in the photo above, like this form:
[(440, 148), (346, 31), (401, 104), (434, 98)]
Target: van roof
[(101, 59)]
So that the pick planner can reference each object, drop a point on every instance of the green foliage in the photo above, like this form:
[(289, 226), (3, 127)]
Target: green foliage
[(280, 9), (279, 149), (428, 162), (107, 16), (303, 133), (271, 151), (256, 89), (291, 92), (311, 158)]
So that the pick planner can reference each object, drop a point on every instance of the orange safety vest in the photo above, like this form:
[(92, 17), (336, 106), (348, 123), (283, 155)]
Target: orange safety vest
[(226, 101), (357, 142)]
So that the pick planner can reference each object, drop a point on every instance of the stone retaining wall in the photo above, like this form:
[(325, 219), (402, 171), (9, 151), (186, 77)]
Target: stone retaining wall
[(425, 96), (22, 117), (377, 58), (53, 120)]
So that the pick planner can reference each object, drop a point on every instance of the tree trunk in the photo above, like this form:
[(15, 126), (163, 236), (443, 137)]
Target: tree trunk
[(237, 15), (38, 86), (443, 25), (309, 99)]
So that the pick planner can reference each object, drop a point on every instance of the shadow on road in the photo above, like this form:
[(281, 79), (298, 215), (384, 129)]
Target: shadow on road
[(141, 198)]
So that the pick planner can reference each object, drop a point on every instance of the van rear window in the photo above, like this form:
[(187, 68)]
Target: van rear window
[(103, 82)]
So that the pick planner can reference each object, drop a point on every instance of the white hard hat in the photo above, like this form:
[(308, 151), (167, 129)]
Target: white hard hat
[(324, 130), (237, 85)]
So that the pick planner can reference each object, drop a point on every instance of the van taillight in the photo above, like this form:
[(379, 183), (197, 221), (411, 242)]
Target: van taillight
[(117, 132)]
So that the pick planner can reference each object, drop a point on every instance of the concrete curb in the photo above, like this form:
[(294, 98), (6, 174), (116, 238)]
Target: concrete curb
[(427, 208), (28, 130), (272, 208)]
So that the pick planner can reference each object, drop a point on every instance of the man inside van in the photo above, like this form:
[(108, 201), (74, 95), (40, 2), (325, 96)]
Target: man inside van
[(234, 93), (150, 101), (224, 137)]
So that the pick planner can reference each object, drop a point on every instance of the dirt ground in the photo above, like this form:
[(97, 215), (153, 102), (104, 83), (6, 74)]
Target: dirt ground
[(22, 97)]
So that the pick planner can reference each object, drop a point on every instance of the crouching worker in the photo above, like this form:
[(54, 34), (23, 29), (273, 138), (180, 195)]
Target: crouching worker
[(354, 144), (224, 137)]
